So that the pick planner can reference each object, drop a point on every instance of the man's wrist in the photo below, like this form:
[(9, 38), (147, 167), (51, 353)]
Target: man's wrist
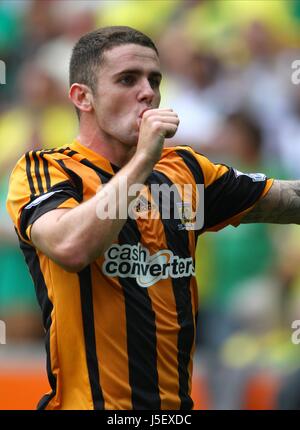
[(143, 161)]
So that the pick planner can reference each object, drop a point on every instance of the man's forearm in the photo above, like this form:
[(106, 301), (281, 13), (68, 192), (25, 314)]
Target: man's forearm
[(281, 205)]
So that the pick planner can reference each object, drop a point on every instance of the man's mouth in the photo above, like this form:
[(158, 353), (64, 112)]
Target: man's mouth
[(143, 111)]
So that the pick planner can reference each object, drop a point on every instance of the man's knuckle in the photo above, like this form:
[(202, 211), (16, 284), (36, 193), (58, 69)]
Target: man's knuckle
[(156, 125)]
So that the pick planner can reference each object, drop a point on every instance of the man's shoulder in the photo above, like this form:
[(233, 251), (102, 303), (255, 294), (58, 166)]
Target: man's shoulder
[(52, 153), (36, 155), (39, 163), (171, 151)]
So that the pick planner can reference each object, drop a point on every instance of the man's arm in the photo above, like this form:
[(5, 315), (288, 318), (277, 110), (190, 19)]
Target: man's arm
[(281, 205), (74, 238)]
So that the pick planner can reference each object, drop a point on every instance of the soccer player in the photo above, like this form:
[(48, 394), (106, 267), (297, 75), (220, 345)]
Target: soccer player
[(118, 295)]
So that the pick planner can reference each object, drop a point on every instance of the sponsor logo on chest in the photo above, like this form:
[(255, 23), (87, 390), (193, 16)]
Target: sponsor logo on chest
[(135, 261)]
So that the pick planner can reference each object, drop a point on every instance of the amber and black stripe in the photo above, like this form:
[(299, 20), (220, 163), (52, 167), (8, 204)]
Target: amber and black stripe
[(196, 170), (178, 243), (141, 334), (28, 172), (46, 171), (33, 263), (243, 194), (37, 172), (87, 307)]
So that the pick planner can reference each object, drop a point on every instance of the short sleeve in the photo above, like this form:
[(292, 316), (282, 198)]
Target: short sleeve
[(38, 184), (228, 193)]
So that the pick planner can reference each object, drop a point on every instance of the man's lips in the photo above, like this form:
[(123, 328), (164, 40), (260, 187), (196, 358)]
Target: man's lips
[(143, 111)]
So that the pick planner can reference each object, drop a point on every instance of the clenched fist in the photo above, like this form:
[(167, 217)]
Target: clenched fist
[(156, 125)]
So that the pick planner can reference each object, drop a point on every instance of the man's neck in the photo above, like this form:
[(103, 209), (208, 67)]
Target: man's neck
[(106, 146)]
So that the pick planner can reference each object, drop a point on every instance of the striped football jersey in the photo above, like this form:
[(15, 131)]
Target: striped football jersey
[(120, 334)]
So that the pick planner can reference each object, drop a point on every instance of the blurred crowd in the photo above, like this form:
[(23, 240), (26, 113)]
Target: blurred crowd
[(228, 73)]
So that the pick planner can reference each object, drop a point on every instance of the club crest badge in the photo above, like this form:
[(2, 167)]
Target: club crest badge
[(186, 216)]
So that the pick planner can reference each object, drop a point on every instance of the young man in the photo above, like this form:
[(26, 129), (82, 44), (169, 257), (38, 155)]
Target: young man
[(118, 295)]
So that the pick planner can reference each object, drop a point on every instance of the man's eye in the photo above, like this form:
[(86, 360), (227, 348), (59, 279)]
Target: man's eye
[(155, 83), (127, 80)]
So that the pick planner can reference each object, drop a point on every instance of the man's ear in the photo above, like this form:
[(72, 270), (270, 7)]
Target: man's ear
[(82, 97)]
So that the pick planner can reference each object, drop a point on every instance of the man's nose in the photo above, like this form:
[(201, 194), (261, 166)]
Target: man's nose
[(146, 92)]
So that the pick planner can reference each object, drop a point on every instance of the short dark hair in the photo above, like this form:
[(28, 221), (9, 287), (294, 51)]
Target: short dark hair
[(88, 52)]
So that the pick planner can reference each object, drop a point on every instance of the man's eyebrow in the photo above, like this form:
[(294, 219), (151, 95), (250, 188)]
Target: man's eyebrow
[(138, 72)]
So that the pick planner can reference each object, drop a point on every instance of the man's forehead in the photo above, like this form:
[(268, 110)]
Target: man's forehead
[(122, 56)]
